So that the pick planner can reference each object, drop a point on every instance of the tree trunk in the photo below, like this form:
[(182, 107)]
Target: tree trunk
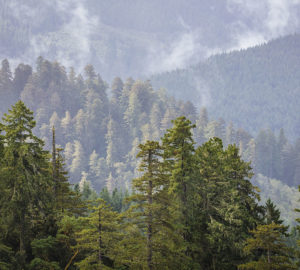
[(150, 217), (100, 255), (22, 235)]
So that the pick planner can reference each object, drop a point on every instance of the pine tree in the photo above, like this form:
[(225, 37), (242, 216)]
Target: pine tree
[(116, 89), (150, 211), (225, 203), (98, 239), (78, 162), (272, 213), (21, 76), (275, 254), (298, 219), (149, 188), (25, 174), (6, 88), (230, 134), (178, 146), (67, 201)]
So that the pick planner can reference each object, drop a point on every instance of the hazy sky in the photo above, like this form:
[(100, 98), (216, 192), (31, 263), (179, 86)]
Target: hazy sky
[(169, 35)]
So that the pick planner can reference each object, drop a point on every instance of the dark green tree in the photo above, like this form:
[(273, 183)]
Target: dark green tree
[(226, 204), (275, 254), (25, 175), (150, 208), (178, 146), (98, 237)]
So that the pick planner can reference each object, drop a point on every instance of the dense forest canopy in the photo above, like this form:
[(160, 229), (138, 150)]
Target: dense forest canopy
[(100, 126), (191, 207), (253, 88), (148, 136)]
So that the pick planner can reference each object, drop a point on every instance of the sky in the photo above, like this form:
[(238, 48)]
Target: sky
[(222, 26)]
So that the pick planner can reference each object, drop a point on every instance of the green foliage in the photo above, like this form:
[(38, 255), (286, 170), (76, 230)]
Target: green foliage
[(245, 87), (284, 197), (99, 237), (226, 204), (178, 146), (42, 249), (274, 252), (150, 211), (298, 219), (116, 199), (190, 208), (25, 172), (35, 197), (101, 133)]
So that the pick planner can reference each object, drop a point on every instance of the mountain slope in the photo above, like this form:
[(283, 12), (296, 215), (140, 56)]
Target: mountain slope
[(254, 88), (134, 38)]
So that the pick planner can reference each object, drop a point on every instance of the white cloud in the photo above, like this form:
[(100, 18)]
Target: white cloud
[(79, 29), (267, 19), (71, 45), (185, 50)]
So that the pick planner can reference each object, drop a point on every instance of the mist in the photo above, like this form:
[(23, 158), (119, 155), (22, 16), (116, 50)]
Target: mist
[(79, 32)]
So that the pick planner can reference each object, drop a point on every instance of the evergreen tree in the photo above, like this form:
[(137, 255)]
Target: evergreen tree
[(150, 213), (116, 88), (98, 239), (21, 76), (298, 219), (67, 201), (25, 175), (6, 89), (272, 213), (230, 134), (275, 254), (178, 146), (225, 204), (78, 162)]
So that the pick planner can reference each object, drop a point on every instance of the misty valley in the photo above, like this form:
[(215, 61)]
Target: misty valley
[(149, 135)]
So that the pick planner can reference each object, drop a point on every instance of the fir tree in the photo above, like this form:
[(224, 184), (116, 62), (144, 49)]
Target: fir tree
[(178, 146), (98, 238), (25, 174), (275, 253)]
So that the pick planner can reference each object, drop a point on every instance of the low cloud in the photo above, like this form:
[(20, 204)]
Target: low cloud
[(70, 44), (252, 22), (183, 51), (266, 20)]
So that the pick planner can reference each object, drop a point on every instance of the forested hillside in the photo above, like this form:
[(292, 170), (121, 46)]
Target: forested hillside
[(134, 38), (100, 126), (253, 88), (191, 208), (149, 135)]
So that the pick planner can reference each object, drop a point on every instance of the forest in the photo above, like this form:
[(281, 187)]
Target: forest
[(191, 207), (248, 87), (149, 135), (99, 127)]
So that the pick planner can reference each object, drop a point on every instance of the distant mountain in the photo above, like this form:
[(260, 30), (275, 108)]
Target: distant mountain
[(254, 88), (136, 37)]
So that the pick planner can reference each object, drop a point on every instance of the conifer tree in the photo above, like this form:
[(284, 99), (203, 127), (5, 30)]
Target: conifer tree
[(272, 213), (178, 146), (149, 188), (25, 174), (150, 211), (117, 88), (275, 254), (225, 204), (98, 239)]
